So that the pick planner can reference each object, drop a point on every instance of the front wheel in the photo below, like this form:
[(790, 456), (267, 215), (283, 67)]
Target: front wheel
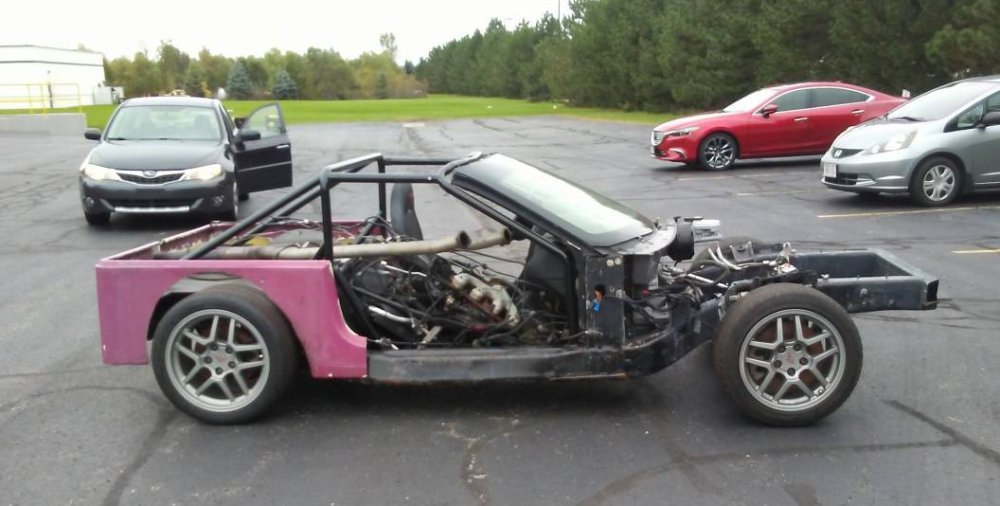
[(718, 152), (787, 354), (224, 355), (936, 182), (233, 213)]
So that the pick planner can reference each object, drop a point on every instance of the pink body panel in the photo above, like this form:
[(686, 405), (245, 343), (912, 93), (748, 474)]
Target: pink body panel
[(128, 289)]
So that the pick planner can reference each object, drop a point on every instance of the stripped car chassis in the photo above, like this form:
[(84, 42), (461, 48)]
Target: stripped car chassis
[(613, 307), (859, 281)]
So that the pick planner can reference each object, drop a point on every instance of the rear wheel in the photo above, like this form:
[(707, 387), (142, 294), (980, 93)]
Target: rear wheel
[(718, 152), (787, 354), (97, 218), (936, 182), (224, 355)]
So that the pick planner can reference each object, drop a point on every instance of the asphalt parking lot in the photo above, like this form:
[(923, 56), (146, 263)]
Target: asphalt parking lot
[(922, 427)]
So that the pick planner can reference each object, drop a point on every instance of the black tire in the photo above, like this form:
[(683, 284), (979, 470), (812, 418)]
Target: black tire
[(945, 178), (97, 219), (799, 363), (259, 324), (718, 151), (244, 197), (233, 213)]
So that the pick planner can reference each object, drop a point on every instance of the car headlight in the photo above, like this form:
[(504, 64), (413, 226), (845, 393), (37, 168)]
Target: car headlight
[(897, 142), (203, 173), (98, 173), (659, 136)]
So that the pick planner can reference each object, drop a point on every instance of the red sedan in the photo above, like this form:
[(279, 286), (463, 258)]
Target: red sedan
[(788, 120)]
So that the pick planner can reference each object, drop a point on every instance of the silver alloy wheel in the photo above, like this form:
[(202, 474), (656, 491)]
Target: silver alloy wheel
[(792, 360), (719, 152), (217, 360), (939, 183)]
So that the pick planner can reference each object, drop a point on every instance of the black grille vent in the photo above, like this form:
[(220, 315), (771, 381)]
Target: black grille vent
[(140, 179), (844, 153), (150, 203), (843, 179)]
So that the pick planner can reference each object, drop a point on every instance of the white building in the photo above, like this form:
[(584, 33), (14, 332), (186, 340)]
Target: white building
[(38, 77)]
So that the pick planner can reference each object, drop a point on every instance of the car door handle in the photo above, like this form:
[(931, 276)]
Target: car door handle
[(801, 120), (858, 112), (283, 146)]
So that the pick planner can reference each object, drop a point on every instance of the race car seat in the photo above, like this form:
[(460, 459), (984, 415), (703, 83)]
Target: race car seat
[(402, 213)]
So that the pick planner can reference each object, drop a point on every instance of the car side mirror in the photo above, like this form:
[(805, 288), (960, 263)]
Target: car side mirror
[(93, 134), (248, 135), (991, 118), (768, 110)]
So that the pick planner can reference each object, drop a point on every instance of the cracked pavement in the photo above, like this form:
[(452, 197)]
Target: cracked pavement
[(922, 427)]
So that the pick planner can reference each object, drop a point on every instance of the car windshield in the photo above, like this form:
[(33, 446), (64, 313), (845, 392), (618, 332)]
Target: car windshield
[(165, 122), (750, 101), (941, 102), (584, 213)]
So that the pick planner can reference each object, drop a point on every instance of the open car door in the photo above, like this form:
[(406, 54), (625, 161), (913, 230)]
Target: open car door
[(263, 154)]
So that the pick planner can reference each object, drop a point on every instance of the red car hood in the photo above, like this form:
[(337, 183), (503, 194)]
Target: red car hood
[(699, 119)]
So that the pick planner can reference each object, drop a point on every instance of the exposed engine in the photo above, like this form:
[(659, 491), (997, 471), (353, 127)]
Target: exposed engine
[(437, 300)]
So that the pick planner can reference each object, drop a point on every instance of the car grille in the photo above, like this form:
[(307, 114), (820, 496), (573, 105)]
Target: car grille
[(136, 178), (150, 203), (844, 153), (843, 179)]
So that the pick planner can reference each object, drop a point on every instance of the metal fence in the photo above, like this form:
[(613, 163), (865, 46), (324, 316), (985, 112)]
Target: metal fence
[(40, 97)]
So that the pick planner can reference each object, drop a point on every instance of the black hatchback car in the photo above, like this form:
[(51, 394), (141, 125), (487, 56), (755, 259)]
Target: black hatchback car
[(182, 154)]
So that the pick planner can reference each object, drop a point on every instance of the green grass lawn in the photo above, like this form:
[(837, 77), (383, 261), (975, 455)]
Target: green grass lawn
[(434, 107)]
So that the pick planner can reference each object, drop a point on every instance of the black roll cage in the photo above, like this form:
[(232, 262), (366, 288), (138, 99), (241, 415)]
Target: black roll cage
[(347, 171)]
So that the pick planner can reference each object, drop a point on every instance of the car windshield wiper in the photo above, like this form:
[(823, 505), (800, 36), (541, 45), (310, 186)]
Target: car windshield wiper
[(907, 118), (119, 139)]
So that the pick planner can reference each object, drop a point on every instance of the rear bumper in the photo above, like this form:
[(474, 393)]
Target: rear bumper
[(179, 197)]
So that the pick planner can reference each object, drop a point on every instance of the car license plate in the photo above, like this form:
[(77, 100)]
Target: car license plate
[(830, 170)]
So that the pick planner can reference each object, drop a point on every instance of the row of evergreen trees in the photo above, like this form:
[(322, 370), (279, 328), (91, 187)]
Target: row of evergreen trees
[(669, 54), (316, 74)]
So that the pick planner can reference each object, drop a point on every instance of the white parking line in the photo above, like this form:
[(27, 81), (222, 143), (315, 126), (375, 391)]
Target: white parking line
[(976, 251), (735, 176), (910, 211), (705, 178)]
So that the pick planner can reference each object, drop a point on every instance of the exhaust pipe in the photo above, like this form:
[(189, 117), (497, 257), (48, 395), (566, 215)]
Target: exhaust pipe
[(459, 241)]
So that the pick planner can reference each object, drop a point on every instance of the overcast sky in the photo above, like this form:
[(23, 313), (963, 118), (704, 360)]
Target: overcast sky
[(233, 28)]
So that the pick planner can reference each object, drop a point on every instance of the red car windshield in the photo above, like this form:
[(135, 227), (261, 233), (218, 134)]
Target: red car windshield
[(750, 101)]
